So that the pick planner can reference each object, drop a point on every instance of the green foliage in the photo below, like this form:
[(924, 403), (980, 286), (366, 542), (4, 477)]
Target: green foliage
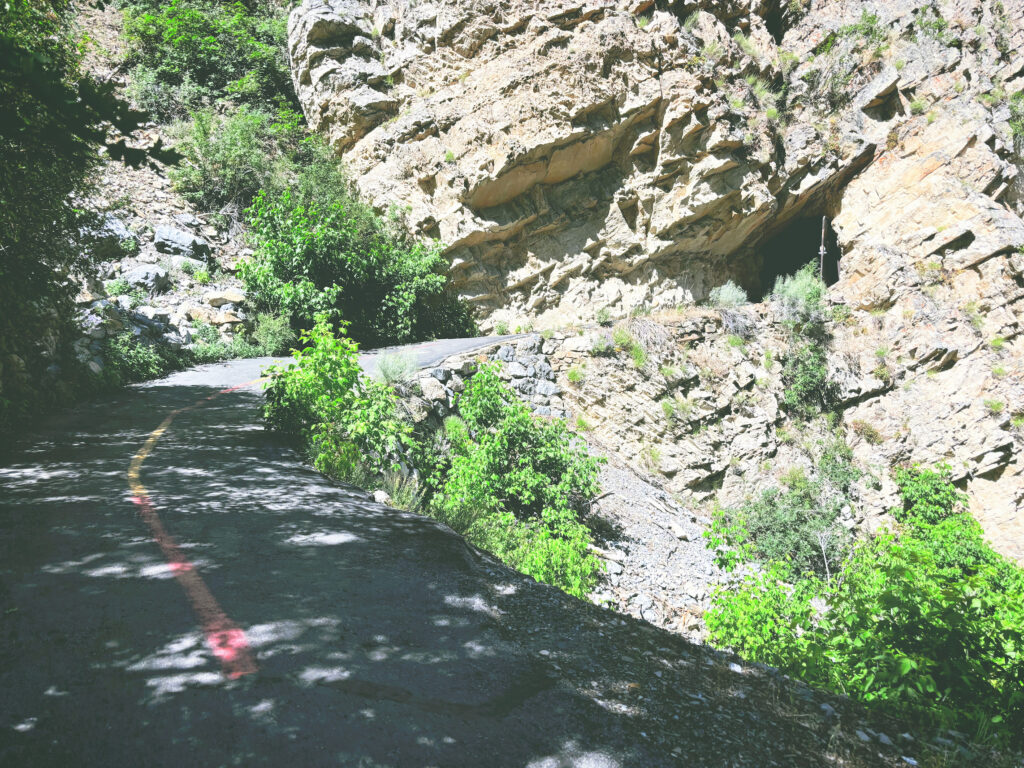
[(796, 525), (516, 485), (575, 376), (918, 106), (929, 22), (602, 346), (727, 296), (927, 621), (799, 300), (867, 28), (272, 334), (805, 377), (867, 431), (758, 616), (927, 494), (1016, 104), (346, 420), (53, 119), (624, 340), (129, 358), (395, 368), (342, 259), (638, 355), (118, 287), (603, 316), (744, 44), (231, 156), (201, 276), (188, 53)]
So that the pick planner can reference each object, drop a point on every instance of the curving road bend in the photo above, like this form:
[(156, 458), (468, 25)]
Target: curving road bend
[(363, 636)]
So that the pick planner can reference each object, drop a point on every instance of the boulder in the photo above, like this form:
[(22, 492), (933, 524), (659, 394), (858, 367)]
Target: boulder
[(110, 239), (225, 296), (433, 390), (150, 278), (179, 242)]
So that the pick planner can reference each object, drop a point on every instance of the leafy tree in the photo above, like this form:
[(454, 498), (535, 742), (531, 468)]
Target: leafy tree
[(189, 53), (516, 485), (54, 118), (343, 260)]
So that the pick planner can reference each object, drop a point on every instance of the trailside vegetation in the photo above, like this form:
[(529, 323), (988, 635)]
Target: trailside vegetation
[(515, 484), (342, 260), (512, 483), (924, 620), (250, 161), (187, 54), (53, 122)]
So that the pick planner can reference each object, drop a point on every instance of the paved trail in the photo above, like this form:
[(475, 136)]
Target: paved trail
[(256, 614)]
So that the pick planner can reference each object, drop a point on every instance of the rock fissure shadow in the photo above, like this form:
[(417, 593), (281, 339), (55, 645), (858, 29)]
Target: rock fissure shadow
[(382, 639)]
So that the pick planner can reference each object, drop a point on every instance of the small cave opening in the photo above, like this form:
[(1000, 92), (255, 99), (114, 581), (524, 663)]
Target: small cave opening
[(775, 25), (803, 240)]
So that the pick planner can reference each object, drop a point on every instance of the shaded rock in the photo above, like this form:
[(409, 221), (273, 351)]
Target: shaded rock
[(151, 279), (181, 243)]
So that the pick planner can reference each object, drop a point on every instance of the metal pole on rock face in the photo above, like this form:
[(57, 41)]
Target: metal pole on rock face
[(821, 251)]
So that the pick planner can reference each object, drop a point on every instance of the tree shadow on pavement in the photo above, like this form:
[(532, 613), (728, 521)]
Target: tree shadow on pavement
[(381, 638)]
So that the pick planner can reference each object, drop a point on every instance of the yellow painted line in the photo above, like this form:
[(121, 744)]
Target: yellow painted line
[(225, 639)]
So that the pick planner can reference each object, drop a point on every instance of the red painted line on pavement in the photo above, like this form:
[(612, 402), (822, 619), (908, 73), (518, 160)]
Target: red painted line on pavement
[(225, 639)]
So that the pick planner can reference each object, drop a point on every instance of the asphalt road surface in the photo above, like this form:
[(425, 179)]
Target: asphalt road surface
[(178, 589)]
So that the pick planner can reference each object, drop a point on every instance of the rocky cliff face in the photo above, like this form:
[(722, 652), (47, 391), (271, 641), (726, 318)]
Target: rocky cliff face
[(579, 155), (587, 156)]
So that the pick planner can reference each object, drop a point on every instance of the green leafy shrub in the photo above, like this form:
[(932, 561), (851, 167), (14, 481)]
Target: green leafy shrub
[(272, 334), (230, 157), (201, 276), (603, 316), (927, 621), (187, 53), (805, 377), (117, 287), (796, 525), (927, 494), (799, 299), (343, 260), (516, 485), (727, 296), (128, 358), (347, 421)]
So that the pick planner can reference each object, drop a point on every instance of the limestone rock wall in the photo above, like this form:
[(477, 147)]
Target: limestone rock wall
[(569, 158), (577, 154), (583, 158)]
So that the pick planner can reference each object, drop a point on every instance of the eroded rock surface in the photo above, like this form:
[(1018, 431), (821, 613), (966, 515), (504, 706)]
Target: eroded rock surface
[(580, 155), (589, 158)]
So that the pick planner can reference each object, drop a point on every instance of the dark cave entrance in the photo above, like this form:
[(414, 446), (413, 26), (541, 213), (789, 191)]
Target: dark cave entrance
[(796, 244)]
